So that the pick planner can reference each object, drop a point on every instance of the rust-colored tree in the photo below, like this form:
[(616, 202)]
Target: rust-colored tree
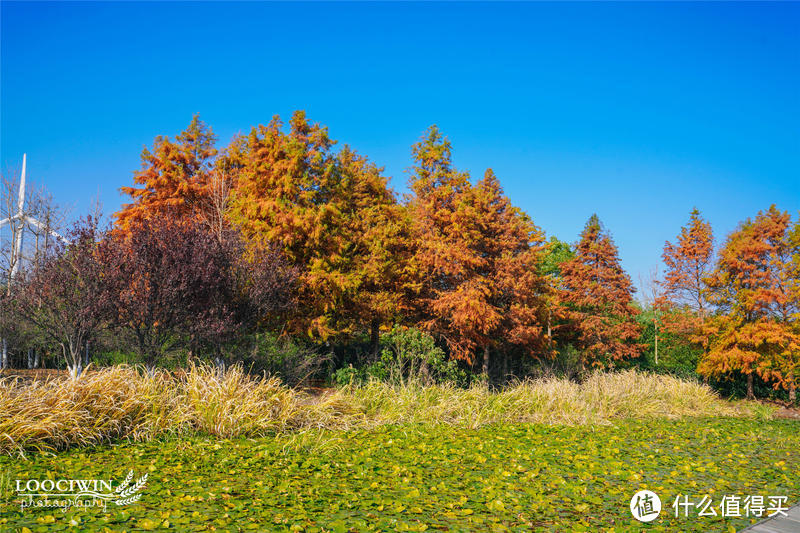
[(682, 302), (754, 330), (442, 262), (450, 299), (513, 249), (598, 297), (175, 178), (476, 258), (793, 287), (377, 228), (331, 214)]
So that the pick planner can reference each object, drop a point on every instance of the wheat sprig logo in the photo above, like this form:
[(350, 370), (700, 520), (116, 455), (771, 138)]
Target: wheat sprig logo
[(129, 494), (125, 483)]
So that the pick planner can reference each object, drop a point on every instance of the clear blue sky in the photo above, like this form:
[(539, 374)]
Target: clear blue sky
[(635, 111)]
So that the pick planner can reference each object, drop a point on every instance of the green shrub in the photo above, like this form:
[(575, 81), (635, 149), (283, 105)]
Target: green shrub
[(349, 375), (407, 355)]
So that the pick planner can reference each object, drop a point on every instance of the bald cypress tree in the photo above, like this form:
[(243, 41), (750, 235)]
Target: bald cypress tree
[(476, 261), (598, 296), (754, 287), (174, 177), (332, 215), (450, 296)]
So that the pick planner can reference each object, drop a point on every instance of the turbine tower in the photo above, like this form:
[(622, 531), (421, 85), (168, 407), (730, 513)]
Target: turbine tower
[(26, 221)]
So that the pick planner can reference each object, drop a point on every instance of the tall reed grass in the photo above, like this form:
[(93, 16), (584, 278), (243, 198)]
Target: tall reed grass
[(123, 402)]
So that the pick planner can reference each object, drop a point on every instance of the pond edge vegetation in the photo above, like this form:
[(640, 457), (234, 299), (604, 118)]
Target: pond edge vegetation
[(131, 403)]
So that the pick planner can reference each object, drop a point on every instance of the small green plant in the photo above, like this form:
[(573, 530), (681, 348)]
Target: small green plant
[(5, 485), (762, 411), (349, 375), (407, 356)]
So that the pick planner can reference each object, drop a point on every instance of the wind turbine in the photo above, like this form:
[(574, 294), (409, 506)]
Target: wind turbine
[(26, 221)]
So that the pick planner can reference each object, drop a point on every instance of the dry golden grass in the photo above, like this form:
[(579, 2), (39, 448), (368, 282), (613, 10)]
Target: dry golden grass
[(600, 399), (128, 403)]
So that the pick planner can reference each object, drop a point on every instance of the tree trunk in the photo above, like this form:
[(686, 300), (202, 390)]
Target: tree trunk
[(4, 362), (505, 366), (37, 358), (656, 345), (792, 393), (375, 335), (193, 348), (485, 369), (74, 365), (750, 394), (549, 329), (86, 356), (30, 358), (150, 360), (425, 373)]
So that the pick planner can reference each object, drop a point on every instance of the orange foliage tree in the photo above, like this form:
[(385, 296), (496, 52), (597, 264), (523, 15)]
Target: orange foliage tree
[(688, 261), (332, 214), (680, 307), (476, 280), (174, 178), (514, 249), (378, 228), (754, 287), (598, 297)]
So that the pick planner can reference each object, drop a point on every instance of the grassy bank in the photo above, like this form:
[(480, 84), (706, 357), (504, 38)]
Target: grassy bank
[(500, 477), (126, 403)]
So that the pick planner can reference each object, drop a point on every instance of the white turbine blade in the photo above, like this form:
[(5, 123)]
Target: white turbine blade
[(10, 219), (33, 222), (41, 227), (21, 201)]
